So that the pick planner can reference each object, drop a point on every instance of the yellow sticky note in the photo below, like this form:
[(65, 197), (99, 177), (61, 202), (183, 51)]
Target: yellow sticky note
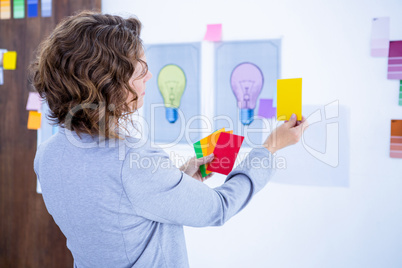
[(10, 60), (288, 98), (34, 120)]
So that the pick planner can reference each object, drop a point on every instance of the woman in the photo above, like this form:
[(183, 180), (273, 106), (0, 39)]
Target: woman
[(114, 211)]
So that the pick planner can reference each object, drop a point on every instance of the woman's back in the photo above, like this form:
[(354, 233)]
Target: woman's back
[(83, 191)]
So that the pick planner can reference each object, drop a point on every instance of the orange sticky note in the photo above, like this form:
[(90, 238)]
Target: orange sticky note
[(288, 98), (10, 60), (34, 120)]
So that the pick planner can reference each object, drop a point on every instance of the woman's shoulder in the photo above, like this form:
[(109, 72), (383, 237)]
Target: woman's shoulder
[(51, 148), (142, 146)]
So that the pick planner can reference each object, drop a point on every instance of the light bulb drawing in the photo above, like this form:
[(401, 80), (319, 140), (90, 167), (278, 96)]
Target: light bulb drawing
[(246, 81), (171, 84)]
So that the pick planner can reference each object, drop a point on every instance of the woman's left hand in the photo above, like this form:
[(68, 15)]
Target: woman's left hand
[(192, 167)]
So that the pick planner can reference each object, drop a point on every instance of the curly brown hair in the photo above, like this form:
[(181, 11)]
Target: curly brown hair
[(83, 70)]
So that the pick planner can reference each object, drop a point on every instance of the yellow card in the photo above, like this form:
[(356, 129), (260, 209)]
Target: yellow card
[(10, 60), (34, 120), (288, 98)]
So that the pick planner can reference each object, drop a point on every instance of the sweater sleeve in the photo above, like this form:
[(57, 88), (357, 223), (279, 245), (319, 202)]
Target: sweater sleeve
[(161, 192)]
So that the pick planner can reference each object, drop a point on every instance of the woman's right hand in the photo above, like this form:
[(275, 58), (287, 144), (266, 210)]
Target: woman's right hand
[(287, 134)]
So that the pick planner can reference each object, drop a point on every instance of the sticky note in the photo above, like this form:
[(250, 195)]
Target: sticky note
[(400, 93), (19, 9), (380, 37), (34, 102), (2, 51), (32, 8), (225, 152), (10, 60), (34, 120), (395, 60), (214, 32), (5, 9), (289, 98), (1, 76), (396, 139), (205, 147), (266, 109), (46, 8)]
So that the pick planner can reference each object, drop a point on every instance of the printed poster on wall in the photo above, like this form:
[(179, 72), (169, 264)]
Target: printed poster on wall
[(172, 98), (245, 72)]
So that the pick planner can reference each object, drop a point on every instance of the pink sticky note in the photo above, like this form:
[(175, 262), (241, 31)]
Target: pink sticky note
[(380, 37), (34, 102), (214, 32), (265, 108)]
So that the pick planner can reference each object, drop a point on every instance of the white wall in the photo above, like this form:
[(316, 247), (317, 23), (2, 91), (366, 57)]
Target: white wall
[(326, 43)]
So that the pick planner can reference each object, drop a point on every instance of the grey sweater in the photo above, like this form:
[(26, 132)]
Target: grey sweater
[(124, 204)]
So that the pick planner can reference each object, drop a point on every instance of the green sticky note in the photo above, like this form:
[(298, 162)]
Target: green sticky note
[(19, 9)]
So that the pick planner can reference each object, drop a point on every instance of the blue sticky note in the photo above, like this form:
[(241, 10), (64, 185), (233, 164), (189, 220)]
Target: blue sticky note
[(32, 8)]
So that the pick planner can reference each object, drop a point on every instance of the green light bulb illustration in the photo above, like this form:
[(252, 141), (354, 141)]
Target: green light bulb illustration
[(171, 83)]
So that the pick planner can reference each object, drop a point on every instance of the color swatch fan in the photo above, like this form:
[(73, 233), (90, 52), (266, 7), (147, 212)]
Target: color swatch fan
[(223, 144), (225, 152)]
